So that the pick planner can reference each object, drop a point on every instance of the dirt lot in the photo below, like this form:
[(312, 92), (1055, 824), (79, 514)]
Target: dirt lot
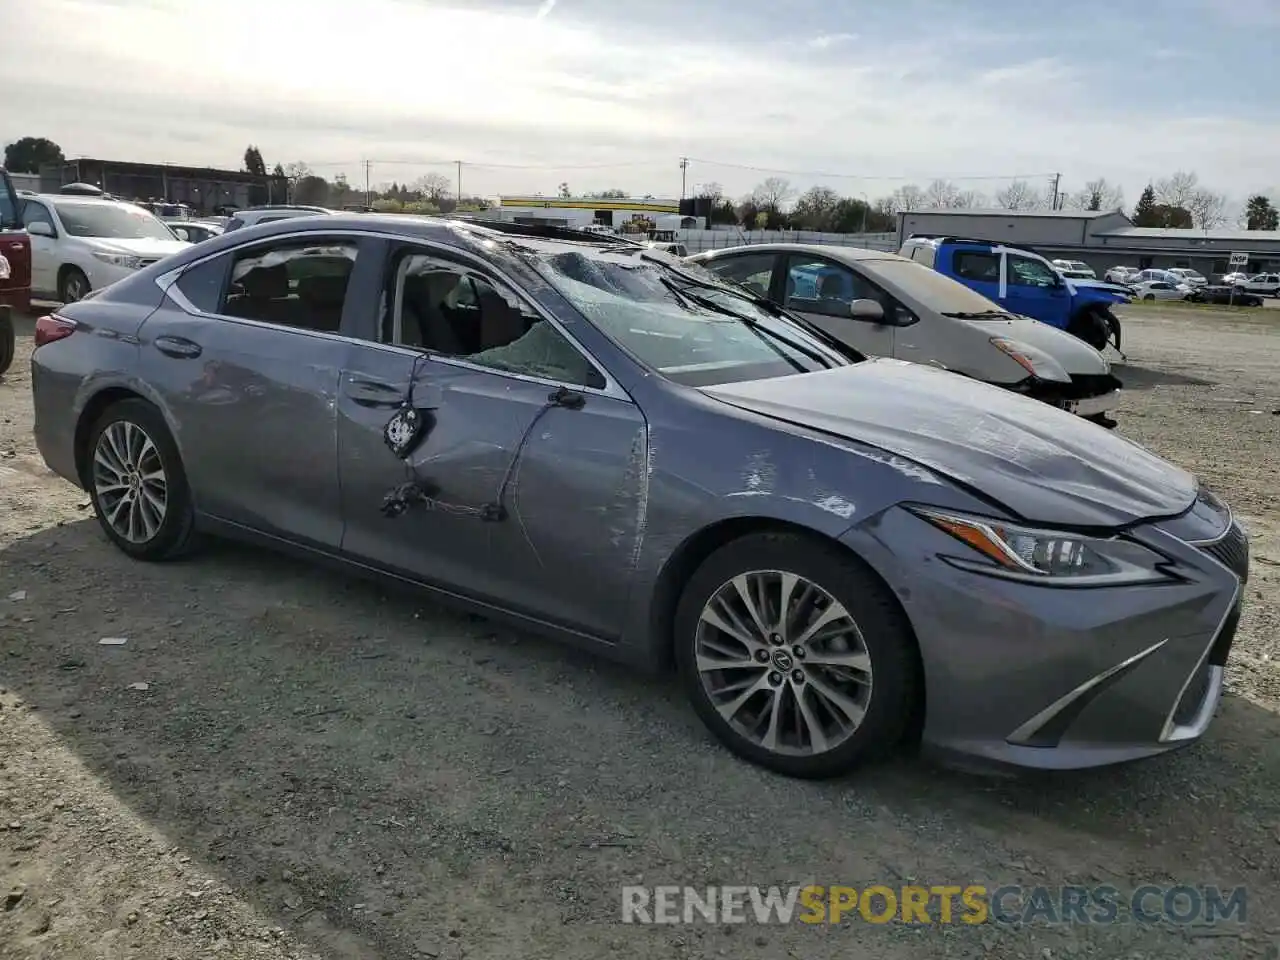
[(318, 768)]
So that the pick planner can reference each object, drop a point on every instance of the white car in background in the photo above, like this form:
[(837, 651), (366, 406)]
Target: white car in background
[(1075, 269), (79, 243), (1160, 290), (1266, 284), (1122, 275), (1191, 278)]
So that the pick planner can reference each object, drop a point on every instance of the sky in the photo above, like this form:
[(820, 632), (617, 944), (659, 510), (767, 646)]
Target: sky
[(859, 95)]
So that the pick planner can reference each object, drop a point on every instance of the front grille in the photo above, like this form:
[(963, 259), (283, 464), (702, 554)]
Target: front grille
[(1232, 551), (1085, 385)]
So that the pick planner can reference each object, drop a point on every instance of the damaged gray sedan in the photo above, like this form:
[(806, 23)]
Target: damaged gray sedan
[(595, 440)]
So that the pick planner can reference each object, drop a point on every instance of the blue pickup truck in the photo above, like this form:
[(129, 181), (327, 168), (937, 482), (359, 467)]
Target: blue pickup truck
[(1026, 283)]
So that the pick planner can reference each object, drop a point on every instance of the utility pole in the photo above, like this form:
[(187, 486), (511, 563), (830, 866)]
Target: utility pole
[(459, 197), (368, 192), (684, 175), (1057, 178)]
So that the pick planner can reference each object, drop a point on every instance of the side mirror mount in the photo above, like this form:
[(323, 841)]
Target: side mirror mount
[(868, 311), (41, 229)]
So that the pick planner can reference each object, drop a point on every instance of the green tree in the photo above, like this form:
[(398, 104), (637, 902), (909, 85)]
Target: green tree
[(611, 194), (1261, 214), (1144, 212), (562, 191), (26, 155), (816, 209), (311, 190), (253, 162)]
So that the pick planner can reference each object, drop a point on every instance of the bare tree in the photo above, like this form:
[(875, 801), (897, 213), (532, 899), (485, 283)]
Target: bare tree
[(434, 186), (1177, 190), (1097, 195), (1020, 195), (1208, 209), (940, 194), (773, 193), (297, 170), (907, 197), (969, 200), (712, 191)]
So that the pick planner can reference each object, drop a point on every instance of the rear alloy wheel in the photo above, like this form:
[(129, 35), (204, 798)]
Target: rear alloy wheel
[(137, 484), (795, 655), (73, 286)]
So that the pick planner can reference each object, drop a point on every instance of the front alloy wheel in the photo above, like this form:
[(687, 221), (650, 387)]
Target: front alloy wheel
[(796, 655), (783, 662)]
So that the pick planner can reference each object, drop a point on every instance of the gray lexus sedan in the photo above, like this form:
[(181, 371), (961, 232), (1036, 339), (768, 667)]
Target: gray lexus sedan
[(598, 441)]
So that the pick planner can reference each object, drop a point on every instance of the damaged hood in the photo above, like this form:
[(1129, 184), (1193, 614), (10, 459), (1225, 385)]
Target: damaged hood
[(1045, 465)]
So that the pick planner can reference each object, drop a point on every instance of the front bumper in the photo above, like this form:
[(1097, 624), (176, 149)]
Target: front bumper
[(1047, 677)]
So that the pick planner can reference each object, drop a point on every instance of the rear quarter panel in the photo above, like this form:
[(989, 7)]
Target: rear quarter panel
[(71, 377)]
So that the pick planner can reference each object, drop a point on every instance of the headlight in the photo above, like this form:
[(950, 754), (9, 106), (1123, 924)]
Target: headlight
[(1062, 559), (1035, 362), (119, 259)]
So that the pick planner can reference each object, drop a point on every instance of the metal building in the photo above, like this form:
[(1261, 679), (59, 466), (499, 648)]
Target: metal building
[(205, 189)]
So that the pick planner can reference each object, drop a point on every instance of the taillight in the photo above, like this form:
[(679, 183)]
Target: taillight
[(50, 328)]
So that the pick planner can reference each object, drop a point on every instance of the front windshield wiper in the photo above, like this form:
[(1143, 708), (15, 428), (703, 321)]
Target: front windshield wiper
[(979, 315), (764, 303), (752, 324)]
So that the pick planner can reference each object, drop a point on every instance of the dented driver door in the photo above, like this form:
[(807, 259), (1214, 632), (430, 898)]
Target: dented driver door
[(524, 491), (527, 504)]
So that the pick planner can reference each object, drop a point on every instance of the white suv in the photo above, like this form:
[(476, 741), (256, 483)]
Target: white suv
[(1267, 284), (80, 243)]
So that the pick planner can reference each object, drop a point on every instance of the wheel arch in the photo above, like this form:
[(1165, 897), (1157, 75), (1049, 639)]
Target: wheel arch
[(697, 547), (95, 406)]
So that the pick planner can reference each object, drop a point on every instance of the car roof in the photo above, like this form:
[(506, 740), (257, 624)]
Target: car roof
[(831, 251), (447, 231)]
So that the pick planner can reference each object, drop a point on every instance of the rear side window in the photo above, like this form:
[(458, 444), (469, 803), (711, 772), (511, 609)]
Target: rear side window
[(202, 284), (303, 286), (977, 265)]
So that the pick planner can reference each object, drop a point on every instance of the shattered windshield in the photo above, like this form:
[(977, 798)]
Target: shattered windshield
[(684, 323)]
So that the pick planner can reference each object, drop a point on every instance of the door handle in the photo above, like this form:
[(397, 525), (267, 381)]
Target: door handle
[(178, 347), (375, 393)]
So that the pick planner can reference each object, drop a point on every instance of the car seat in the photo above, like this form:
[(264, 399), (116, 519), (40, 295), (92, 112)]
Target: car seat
[(500, 323)]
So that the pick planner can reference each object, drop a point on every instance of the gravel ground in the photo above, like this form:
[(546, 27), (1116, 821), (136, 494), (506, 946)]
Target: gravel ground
[(316, 767)]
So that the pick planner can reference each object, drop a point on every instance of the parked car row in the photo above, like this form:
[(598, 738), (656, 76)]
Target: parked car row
[(835, 551), (887, 305)]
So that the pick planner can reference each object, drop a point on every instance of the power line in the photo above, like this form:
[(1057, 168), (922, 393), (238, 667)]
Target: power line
[(825, 175)]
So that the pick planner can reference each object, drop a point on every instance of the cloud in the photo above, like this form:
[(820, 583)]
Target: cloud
[(827, 40), (544, 9), (424, 82)]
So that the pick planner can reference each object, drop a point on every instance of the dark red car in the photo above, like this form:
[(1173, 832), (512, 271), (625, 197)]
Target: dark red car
[(15, 271)]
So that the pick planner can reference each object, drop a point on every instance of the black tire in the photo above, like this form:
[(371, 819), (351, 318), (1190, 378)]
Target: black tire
[(885, 631), (8, 339), (71, 280), (1149, 296), (1091, 327), (175, 533)]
